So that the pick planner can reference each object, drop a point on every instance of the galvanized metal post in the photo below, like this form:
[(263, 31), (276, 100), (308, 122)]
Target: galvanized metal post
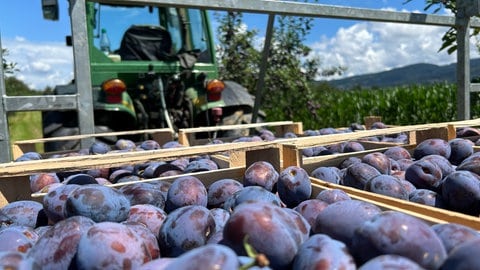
[(83, 80), (463, 65), (5, 148), (263, 68)]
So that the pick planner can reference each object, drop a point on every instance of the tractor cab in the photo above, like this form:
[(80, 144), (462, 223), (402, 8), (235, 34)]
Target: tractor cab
[(150, 67)]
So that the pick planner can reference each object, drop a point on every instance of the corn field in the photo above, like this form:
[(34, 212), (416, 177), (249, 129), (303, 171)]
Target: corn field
[(406, 105)]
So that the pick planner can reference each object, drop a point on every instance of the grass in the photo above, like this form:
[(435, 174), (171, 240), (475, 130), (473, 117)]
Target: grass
[(25, 126)]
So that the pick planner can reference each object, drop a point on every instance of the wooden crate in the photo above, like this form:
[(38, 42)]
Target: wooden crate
[(14, 176), (424, 211), (187, 136), (162, 136), (292, 151)]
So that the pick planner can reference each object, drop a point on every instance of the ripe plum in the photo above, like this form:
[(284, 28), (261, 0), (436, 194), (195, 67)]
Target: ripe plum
[(358, 174), (57, 247), (40, 180), (185, 228), (461, 191), (427, 197), (150, 145), (387, 185), (472, 164), (201, 165), (379, 161), (333, 221), (100, 203), (461, 149), (353, 146), (125, 144), (397, 152), (332, 195), (424, 174), (390, 262), (261, 173), (208, 257), (294, 186), (328, 173), (393, 232), (17, 238), (464, 257), (149, 215), (55, 200), (322, 252), (432, 146), (17, 260), (99, 148), (143, 193), (267, 228), (146, 235), (186, 190), (310, 209), (220, 190), (443, 163), (23, 212), (454, 234), (249, 194), (111, 244)]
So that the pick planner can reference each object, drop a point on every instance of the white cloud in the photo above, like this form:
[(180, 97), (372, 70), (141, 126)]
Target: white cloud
[(40, 64), (365, 47), (370, 47)]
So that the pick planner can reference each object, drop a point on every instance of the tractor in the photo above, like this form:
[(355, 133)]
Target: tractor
[(151, 67)]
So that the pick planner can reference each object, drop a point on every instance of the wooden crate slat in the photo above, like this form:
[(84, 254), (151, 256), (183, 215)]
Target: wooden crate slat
[(162, 135), (186, 136), (305, 142), (75, 163)]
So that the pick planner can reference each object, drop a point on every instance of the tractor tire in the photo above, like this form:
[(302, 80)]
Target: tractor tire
[(54, 126)]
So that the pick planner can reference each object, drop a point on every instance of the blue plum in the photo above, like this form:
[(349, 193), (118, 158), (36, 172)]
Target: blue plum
[(186, 190), (322, 252), (393, 232), (100, 203), (294, 186), (220, 190), (339, 220), (184, 229), (261, 173)]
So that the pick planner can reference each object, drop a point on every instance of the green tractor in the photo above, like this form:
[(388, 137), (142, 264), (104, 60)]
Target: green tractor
[(151, 67)]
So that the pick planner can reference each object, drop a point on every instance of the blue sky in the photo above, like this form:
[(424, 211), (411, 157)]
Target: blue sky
[(38, 46)]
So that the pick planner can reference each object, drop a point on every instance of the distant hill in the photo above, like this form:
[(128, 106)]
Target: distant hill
[(408, 75)]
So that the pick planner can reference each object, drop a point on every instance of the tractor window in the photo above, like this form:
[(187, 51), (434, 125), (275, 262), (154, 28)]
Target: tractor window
[(199, 39), (173, 27), (149, 24), (117, 19)]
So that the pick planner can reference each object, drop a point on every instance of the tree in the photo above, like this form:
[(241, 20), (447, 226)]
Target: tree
[(287, 92), (8, 67), (238, 59)]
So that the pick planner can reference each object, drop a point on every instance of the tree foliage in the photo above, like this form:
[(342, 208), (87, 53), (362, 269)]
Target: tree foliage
[(8, 67), (287, 93), (15, 87)]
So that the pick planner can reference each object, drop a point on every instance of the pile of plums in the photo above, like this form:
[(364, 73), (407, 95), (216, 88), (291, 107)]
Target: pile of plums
[(436, 172), (43, 182), (269, 219)]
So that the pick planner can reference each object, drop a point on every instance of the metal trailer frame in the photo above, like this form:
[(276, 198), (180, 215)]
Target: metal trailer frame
[(82, 102)]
